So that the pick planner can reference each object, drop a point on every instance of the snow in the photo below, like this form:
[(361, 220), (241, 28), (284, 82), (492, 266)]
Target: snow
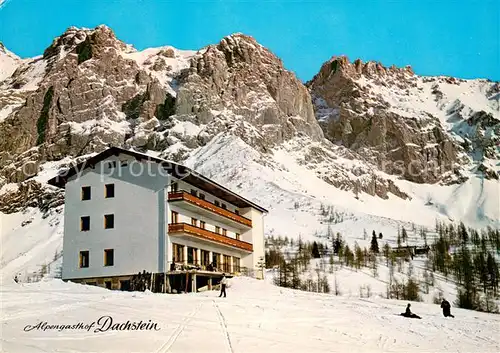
[(103, 124), (4, 112), (255, 317), (11, 187), (147, 58), (33, 74), (8, 61), (186, 128)]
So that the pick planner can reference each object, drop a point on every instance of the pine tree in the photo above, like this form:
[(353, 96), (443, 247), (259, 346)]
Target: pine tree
[(404, 235), (492, 273), (374, 244), (364, 234), (359, 257), (315, 250), (387, 251), (380, 235), (399, 239)]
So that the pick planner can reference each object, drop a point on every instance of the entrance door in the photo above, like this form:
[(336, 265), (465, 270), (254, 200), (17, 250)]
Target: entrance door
[(108, 284)]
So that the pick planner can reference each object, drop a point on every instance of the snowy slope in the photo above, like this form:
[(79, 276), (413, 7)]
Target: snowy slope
[(255, 317), (8, 62)]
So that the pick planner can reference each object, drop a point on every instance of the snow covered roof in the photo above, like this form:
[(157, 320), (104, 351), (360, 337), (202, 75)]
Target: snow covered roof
[(174, 169)]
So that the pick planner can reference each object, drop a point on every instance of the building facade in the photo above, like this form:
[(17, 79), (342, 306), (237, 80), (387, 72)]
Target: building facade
[(127, 212)]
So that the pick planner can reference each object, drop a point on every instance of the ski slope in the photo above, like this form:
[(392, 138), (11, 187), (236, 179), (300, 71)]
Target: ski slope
[(255, 317)]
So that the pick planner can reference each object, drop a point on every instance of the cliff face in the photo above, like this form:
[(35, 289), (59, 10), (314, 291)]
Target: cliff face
[(352, 125), (408, 125), (241, 76)]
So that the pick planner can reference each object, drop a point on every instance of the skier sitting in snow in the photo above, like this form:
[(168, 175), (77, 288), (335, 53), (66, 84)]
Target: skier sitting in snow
[(408, 313), (445, 305)]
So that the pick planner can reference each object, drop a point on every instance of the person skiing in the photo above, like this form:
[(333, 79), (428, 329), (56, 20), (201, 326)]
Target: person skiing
[(409, 314), (223, 283), (445, 305)]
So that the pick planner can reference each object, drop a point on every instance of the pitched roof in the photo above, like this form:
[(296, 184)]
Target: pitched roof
[(174, 169)]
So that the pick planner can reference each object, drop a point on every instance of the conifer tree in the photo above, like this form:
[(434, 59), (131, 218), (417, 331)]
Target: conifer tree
[(374, 244), (315, 250), (359, 256), (387, 251), (404, 235)]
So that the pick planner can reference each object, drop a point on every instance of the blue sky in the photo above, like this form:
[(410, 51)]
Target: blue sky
[(456, 38)]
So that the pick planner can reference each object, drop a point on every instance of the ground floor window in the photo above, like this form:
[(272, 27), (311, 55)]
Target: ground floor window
[(226, 266), (205, 258), (215, 260), (192, 259), (84, 259), (236, 264), (109, 257), (178, 252)]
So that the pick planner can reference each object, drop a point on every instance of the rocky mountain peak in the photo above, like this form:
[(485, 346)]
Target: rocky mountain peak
[(86, 43), (248, 82), (339, 67)]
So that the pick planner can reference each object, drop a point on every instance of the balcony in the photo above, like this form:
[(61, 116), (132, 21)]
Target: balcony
[(203, 234), (197, 205)]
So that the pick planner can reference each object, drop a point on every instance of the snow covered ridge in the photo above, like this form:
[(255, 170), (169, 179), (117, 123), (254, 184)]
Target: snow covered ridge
[(255, 317)]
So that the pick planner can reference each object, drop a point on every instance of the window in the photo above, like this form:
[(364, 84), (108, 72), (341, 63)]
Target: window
[(84, 259), (109, 257), (217, 229), (85, 223), (109, 221), (107, 284), (109, 190), (174, 187), (224, 231), (85, 193), (123, 163), (224, 206), (236, 264), (238, 236), (192, 256), (202, 224), (194, 222), (175, 217), (177, 252), (205, 257), (226, 266), (202, 196), (194, 192), (237, 212), (112, 164), (216, 203), (215, 260)]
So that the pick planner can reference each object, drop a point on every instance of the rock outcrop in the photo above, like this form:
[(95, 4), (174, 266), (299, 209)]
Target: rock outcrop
[(240, 76), (380, 113)]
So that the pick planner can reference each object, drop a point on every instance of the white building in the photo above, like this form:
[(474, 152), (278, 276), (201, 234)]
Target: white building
[(127, 212)]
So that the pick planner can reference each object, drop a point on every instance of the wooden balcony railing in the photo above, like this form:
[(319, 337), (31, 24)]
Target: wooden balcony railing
[(185, 196), (206, 234)]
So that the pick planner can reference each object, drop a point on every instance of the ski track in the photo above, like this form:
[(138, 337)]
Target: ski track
[(178, 331), (223, 325)]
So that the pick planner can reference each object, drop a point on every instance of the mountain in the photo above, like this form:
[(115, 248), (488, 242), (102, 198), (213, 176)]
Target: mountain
[(355, 139)]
